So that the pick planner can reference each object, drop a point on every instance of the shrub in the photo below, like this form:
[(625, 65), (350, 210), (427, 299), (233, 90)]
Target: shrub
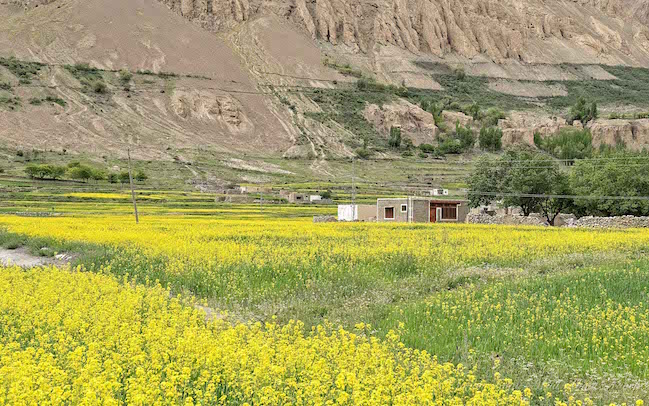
[(492, 116), (125, 76), (395, 138), (99, 87), (34, 101), (583, 112), (363, 153), (490, 139), (5, 86), (427, 148), (140, 176)]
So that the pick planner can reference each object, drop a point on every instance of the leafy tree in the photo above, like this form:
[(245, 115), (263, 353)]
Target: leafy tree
[(140, 176), (113, 177), (98, 174), (490, 139), (45, 171), (395, 138), (524, 178), (624, 175), (582, 111), (326, 194), (567, 144), (466, 137), (123, 177), (473, 110), (80, 172)]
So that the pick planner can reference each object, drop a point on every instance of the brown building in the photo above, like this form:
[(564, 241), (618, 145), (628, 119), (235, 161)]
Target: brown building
[(421, 210)]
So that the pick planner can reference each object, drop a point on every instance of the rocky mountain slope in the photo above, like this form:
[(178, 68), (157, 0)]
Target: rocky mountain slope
[(274, 76)]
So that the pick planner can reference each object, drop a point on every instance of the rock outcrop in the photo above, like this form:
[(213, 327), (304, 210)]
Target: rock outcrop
[(208, 106), (548, 31), (634, 134), (519, 128), (416, 124)]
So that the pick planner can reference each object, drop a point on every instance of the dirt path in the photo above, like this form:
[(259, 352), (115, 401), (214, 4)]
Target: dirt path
[(21, 257)]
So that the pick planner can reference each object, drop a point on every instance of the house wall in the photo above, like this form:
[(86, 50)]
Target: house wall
[(463, 212), (399, 217), (366, 212), (420, 211)]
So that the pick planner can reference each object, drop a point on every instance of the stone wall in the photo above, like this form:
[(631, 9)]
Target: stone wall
[(611, 222), (480, 218), (565, 220)]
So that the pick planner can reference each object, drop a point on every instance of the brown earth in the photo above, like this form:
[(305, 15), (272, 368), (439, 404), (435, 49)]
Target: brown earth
[(252, 53)]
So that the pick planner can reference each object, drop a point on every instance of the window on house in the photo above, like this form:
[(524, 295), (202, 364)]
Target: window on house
[(449, 212), (389, 213), (404, 208)]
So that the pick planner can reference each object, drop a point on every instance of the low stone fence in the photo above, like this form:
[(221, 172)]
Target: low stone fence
[(532, 220), (611, 222), (566, 220), (324, 219)]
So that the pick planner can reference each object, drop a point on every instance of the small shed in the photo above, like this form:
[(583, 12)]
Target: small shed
[(356, 212), (421, 210)]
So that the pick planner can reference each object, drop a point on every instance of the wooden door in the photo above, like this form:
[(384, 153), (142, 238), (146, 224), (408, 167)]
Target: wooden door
[(433, 214)]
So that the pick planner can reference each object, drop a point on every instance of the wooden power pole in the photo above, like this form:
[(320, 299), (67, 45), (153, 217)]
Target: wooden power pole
[(130, 179)]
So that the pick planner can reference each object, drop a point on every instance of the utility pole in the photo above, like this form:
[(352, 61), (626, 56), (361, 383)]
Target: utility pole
[(353, 181), (130, 178), (261, 201)]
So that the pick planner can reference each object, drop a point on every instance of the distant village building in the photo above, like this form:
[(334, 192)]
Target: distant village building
[(407, 210), (298, 198), (422, 210)]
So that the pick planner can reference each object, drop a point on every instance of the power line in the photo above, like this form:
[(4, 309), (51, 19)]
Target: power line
[(532, 195)]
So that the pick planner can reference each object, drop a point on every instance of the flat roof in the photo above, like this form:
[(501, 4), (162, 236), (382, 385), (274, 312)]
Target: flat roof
[(427, 199)]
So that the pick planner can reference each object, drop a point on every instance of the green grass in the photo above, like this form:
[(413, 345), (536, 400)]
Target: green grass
[(23, 70)]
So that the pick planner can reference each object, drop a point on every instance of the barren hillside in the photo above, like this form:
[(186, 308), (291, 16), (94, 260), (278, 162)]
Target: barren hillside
[(275, 77)]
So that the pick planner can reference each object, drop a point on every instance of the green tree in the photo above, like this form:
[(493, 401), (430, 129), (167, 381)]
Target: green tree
[(623, 175), (98, 174), (80, 172), (490, 139), (44, 171), (465, 135), (582, 111), (395, 138), (123, 177), (140, 176), (567, 144), (525, 179), (113, 177)]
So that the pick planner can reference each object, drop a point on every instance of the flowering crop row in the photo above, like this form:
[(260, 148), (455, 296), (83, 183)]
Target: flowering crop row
[(83, 338)]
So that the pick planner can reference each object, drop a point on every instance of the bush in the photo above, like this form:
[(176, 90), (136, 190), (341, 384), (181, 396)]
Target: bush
[(583, 112), (5, 86), (395, 138), (490, 139), (99, 87), (125, 76), (363, 153), (492, 116), (141, 176), (427, 148)]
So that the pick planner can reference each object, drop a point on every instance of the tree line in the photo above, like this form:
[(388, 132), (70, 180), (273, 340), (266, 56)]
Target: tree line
[(531, 179), (79, 171)]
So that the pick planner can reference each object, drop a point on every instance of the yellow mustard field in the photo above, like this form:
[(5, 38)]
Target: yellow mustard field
[(282, 242), (83, 338), (432, 314)]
